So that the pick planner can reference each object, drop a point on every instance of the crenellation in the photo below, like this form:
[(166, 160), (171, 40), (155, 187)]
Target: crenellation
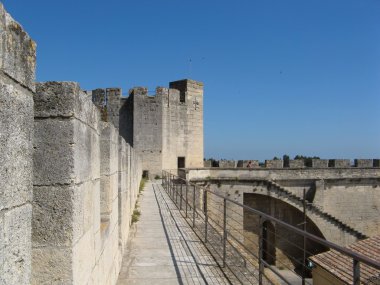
[(245, 163), (319, 163), (227, 163), (276, 163), (296, 163), (136, 91), (339, 163), (363, 163)]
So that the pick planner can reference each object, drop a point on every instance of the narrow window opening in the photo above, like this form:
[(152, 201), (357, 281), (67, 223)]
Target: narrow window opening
[(181, 162), (182, 97)]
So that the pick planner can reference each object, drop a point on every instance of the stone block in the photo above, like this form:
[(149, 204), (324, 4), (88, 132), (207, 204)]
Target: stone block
[(319, 163), (56, 99), (84, 258), (65, 99), (16, 125), (296, 163), (15, 245), (86, 152), (108, 149), (244, 163), (53, 156), (86, 208), (53, 216), (52, 265), (278, 163), (17, 51), (227, 163), (86, 111), (207, 163), (340, 163), (96, 203), (363, 162)]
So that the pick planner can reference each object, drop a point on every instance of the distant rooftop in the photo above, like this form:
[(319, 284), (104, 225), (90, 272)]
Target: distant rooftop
[(340, 265)]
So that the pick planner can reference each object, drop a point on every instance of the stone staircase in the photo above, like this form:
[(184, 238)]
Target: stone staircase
[(281, 192)]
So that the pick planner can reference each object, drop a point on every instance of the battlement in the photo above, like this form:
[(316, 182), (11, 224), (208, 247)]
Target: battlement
[(297, 163)]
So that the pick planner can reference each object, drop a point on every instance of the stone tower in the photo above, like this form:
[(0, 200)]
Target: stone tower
[(183, 125), (166, 129)]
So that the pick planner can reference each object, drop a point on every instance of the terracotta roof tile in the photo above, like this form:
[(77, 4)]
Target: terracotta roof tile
[(341, 266)]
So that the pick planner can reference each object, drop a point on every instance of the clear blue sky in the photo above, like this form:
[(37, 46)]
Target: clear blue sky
[(281, 76)]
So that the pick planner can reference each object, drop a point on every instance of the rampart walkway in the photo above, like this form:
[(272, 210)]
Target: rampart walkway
[(163, 249)]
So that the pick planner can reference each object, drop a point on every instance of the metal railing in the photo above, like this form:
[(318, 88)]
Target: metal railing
[(244, 242)]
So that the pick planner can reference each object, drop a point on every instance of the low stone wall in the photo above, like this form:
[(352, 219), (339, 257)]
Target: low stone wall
[(17, 49), (351, 195)]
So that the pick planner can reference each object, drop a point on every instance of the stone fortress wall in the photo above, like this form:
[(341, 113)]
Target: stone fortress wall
[(69, 181)]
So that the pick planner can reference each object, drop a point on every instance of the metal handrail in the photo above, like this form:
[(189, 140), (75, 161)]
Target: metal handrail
[(345, 251)]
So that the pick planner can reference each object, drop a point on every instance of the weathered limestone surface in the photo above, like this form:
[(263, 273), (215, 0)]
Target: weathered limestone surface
[(17, 51), (76, 189), (129, 172), (17, 73)]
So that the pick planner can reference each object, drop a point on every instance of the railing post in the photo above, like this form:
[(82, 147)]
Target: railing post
[(356, 271), (172, 192), (180, 199), (186, 200), (170, 184), (224, 231), (304, 238), (261, 267), (176, 193), (205, 212), (194, 206)]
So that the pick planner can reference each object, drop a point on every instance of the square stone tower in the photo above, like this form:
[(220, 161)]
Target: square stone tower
[(183, 125), (165, 129)]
